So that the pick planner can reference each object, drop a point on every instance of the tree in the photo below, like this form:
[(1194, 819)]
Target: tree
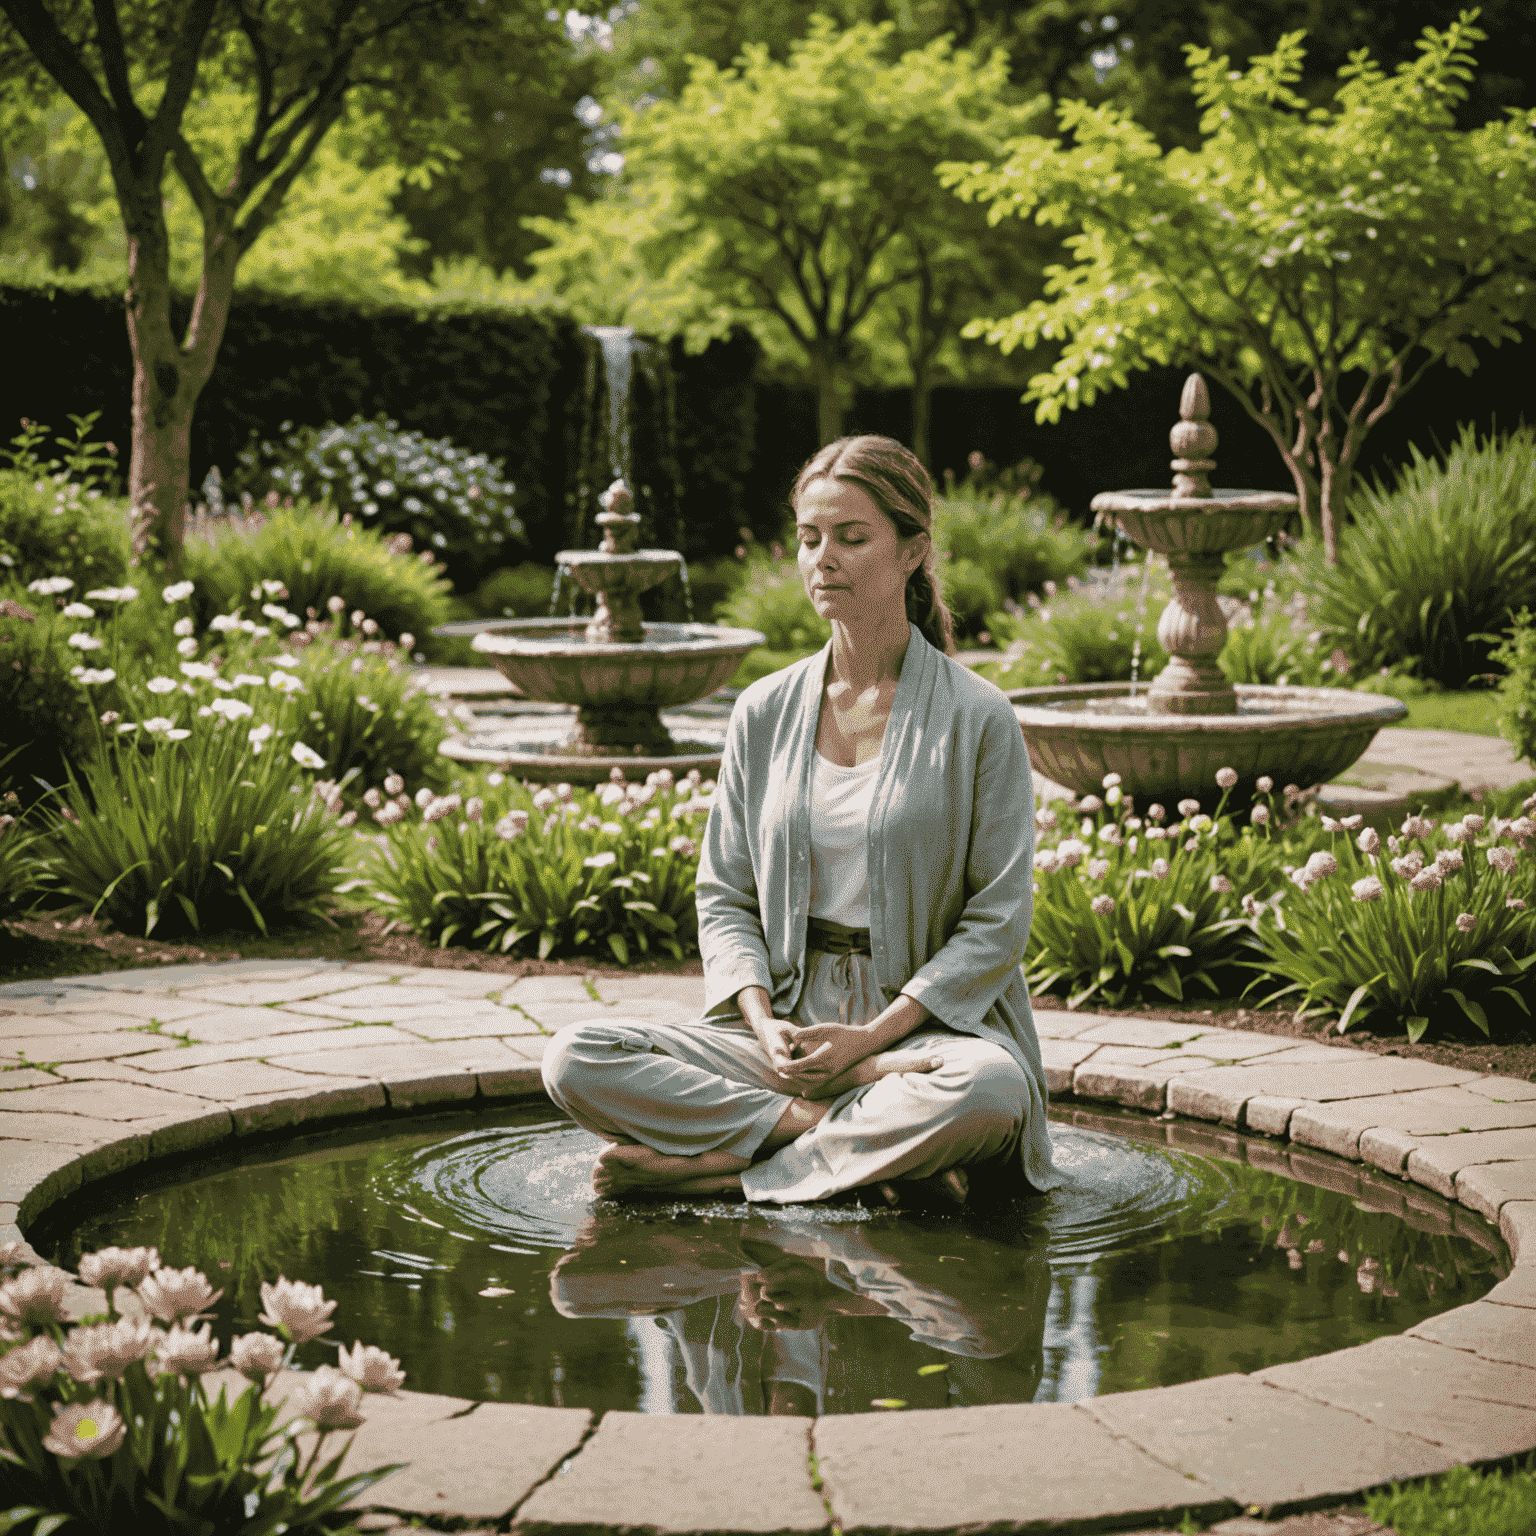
[(1314, 261), (136, 73), (800, 196)]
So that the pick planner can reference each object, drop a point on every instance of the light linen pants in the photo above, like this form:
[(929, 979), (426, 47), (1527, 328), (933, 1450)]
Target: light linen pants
[(707, 1086)]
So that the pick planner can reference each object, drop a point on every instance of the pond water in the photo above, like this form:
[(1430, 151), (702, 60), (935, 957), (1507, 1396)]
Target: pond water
[(467, 1246)]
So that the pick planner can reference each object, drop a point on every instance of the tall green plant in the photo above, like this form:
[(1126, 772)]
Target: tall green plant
[(1434, 568), (1517, 694)]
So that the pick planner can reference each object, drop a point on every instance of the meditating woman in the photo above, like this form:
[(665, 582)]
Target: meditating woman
[(866, 883)]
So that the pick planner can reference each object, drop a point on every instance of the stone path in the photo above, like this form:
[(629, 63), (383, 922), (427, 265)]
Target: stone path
[(99, 1074)]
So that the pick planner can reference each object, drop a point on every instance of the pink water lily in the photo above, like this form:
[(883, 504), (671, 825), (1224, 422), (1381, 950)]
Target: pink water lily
[(371, 1368), (35, 1296), (108, 1349), (173, 1294), (92, 1430), (256, 1355), (299, 1310), (330, 1400)]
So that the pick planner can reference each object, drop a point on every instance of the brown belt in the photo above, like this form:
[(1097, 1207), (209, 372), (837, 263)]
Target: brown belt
[(829, 938)]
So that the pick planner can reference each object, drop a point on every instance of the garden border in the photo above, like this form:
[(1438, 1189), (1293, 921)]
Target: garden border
[(1459, 1388)]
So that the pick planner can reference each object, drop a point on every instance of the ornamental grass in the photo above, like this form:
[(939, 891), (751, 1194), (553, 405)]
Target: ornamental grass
[(109, 1427), (1434, 926), (514, 869), (1132, 904)]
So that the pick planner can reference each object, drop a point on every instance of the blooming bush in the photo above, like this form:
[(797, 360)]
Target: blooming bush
[(315, 557), (1129, 902), (1517, 693), (772, 599), (1437, 925), (513, 869), (108, 1425), (457, 503)]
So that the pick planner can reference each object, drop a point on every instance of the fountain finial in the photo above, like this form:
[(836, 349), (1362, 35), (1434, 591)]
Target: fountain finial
[(618, 520), (1193, 440)]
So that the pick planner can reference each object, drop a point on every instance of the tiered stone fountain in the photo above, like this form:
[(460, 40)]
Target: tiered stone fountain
[(1168, 739), (618, 671)]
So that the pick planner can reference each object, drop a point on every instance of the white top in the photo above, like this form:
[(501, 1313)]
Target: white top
[(840, 805)]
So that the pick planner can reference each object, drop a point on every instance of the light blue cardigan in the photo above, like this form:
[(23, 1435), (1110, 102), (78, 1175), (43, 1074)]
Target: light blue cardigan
[(951, 850)]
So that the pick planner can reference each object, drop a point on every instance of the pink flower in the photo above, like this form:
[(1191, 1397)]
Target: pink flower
[(1102, 906), (474, 808), (512, 825), (1070, 852), (108, 1349), (172, 1294), (1458, 832), (1155, 812), (371, 1368), (1503, 859), (1368, 889), (34, 1296), (1259, 815), (1369, 841), (1417, 826), (388, 814), (1513, 904), (118, 1266), (1096, 869), (1428, 879), (1046, 819), (1349, 823), (1466, 922), (299, 1310), (393, 784), (1264, 784), (1409, 865), (256, 1355), (27, 1364), (1522, 829), (1220, 885), (1046, 861), (1090, 804), (1159, 870), (1449, 860), (330, 1400), (1473, 823), (187, 1351), (93, 1430), (1330, 825), (1188, 807), (1226, 778), (1321, 865)]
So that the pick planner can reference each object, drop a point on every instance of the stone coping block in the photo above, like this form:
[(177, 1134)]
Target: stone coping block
[(1460, 1387), (682, 1473)]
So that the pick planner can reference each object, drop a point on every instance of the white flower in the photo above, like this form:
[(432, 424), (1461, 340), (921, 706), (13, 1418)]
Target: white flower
[(1409, 865), (157, 723), (84, 642), (259, 736), (188, 1351), (39, 1359), (1259, 815), (425, 797), (371, 1368), (1450, 860), (92, 1430), (1046, 819), (1368, 889), (1321, 865), (474, 808), (51, 586), (1522, 829), (330, 1400), (1188, 807), (126, 726), (108, 1349), (564, 793), (256, 1355), (437, 808), (113, 594), (1263, 783), (161, 685), (177, 735), (1369, 841), (202, 670), (1090, 804), (90, 676), (231, 709), (224, 622), (600, 860), (612, 829), (1513, 904), (1429, 879), (1046, 861), (1473, 823), (77, 611), (1159, 869), (118, 1266), (299, 1310), (335, 604), (393, 784), (305, 757), (284, 682), (1155, 812), (172, 1294), (285, 661), (1220, 885), (1503, 859), (1466, 922), (544, 799), (1252, 906), (1112, 781), (512, 825), (1071, 852), (1102, 906), (182, 627), (1200, 823), (247, 680), (177, 591), (1417, 826), (187, 647), (388, 813), (1226, 778), (1096, 869)]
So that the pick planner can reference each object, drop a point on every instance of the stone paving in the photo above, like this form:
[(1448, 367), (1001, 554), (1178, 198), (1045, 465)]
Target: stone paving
[(99, 1074)]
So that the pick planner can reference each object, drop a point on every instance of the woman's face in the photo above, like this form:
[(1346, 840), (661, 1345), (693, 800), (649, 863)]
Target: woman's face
[(853, 562)]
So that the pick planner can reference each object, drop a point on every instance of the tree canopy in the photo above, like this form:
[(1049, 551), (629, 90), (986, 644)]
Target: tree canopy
[(1315, 261)]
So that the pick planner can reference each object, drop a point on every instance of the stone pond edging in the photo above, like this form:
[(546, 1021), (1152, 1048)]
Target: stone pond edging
[(103, 1073)]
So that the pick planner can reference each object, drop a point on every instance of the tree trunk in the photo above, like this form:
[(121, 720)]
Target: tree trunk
[(922, 414), (831, 403), (1333, 492)]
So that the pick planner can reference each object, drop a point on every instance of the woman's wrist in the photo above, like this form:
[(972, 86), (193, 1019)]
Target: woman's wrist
[(895, 1022), (756, 1007)]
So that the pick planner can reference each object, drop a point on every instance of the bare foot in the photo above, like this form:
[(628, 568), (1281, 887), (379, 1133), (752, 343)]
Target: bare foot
[(953, 1186), (628, 1167)]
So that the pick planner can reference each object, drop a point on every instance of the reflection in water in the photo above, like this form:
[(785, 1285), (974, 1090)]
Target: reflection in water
[(469, 1247)]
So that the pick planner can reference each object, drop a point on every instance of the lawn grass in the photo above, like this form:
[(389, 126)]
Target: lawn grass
[(1476, 712), (1462, 1503)]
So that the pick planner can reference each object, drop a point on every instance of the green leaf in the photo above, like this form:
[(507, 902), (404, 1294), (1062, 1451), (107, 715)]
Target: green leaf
[(1355, 999), (1515, 996), (1473, 1011), (931, 1370), (1416, 1027), (619, 947)]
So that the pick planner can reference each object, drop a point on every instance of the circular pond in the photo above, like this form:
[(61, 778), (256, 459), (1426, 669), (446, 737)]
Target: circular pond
[(466, 1245)]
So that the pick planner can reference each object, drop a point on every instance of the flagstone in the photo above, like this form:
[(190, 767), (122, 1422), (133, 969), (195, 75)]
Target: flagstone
[(173, 1064), (1058, 1024), (147, 1007), (1267, 1113), (1485, 1188), (12, 1078), (1517, 1226), (1338, 1127), (454, 1026), (57, 1048), (455, 983), (60, 1026), (1477, 1409), (1507, 1089), (70, 1130), (228, 1082), (527, 990), (1484, 1328), (258, 994), (1138, 1087), (229, 1026), (1262, 1446), (104, 1100), (685, 993), (402, 1063), (33, 1174), (1436, 1160), (1060, 1057), (1147, 1033), (121, 1070)]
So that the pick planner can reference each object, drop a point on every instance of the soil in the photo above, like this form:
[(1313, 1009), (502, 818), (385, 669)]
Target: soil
[(45, 947)]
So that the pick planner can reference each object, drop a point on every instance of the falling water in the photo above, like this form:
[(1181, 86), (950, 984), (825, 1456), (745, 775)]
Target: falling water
[(687, 590), (554, 597), (1141, 619), (618, 344)]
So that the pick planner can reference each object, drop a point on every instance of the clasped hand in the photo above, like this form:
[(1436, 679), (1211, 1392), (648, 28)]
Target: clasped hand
[(809, 1057)]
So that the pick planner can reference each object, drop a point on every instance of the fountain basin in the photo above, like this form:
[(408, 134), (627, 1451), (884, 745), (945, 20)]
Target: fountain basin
[(617, 573), (1197, 525), (551, 659), (1304, 736)]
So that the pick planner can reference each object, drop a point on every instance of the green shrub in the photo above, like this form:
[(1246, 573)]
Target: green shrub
[(711, 583), (772, 599), (1020, 541), (1357, 938), (1517, 693), (394, 481), (1272, 641), (201, 830), (23, 864), (1130, 905), (1462, 1503), (315, 556), (553, 871), (1431, 571), (515, 592)]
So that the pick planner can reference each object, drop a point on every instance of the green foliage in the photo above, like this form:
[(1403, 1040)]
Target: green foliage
[(1277, 642), (609, 872), (366, 715), (1434, 568), (516, 591), (1313, 260), (23, 866), (1434, 931), (315, 556), (1092, 631), (163, 1456), (445, 498), (57, 516), (1492, 1503), (772, 599), (1131, 906), (1517, 694)]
